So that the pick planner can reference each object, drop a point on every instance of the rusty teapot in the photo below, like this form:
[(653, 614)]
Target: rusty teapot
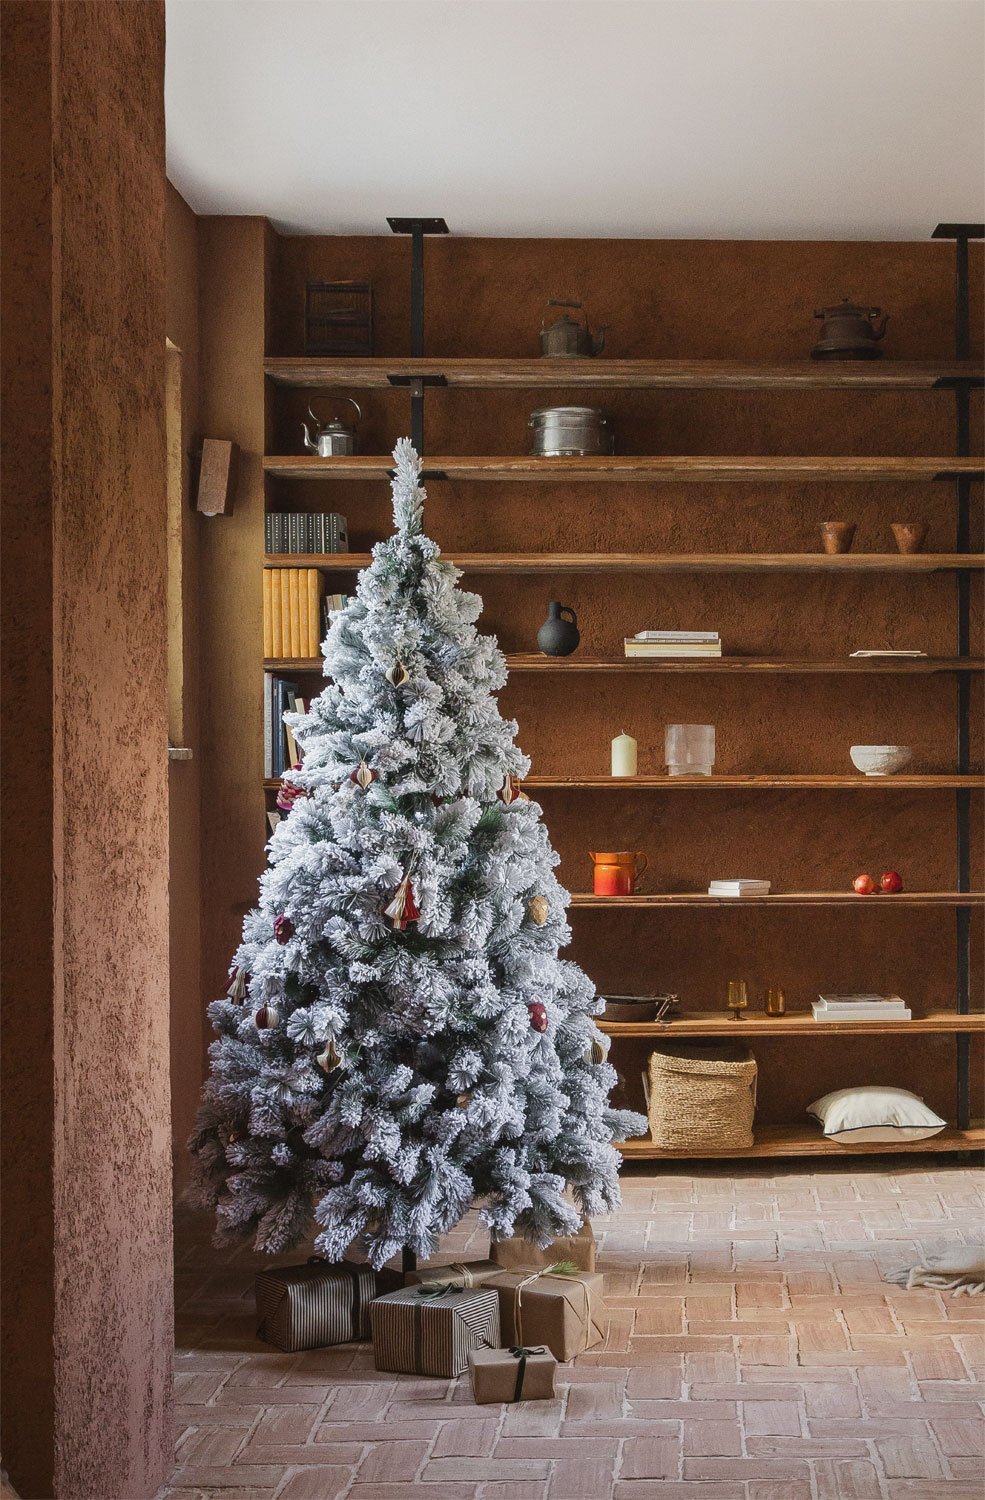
[(849, 332), (567, 338)]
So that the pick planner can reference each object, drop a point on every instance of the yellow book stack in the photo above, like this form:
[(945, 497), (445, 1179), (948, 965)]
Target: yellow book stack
[(292, 600)]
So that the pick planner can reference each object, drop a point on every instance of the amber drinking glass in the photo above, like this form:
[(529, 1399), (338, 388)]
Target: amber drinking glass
[(775, 1003)]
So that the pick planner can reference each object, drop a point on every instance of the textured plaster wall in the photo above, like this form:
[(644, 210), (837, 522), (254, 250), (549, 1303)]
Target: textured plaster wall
[(184, 778), (86, 1188)]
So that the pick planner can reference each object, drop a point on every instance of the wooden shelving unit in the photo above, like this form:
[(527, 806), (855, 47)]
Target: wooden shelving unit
[(854, 666), (623, 374), (648, 468), (713, 1024), (806, 1140), (523, 563), (418, 374)]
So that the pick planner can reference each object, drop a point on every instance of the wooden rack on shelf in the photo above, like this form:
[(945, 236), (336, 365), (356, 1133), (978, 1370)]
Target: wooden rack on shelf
[(636, 468)]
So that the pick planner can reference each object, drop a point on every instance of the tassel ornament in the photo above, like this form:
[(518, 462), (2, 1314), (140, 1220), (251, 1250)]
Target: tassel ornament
[(237, 989), (403, 909)]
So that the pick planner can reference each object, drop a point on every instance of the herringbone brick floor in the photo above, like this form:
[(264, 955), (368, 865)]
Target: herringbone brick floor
[(753, 1353)]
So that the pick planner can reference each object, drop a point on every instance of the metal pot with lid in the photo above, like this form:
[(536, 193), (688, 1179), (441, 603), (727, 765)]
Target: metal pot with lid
[(335, 439), (570, 431), (849, 331), (567, 338)]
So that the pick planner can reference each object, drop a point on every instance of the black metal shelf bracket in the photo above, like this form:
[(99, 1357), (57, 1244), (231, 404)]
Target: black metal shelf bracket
[(417, 228), (961, 234)]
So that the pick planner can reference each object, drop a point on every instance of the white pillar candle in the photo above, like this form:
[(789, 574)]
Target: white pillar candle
[(624, 755)]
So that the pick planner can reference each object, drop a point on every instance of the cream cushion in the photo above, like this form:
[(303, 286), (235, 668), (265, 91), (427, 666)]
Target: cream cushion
[(873, 1114)]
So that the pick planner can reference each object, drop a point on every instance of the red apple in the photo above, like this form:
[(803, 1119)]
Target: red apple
[(864, 884), (892, 881)]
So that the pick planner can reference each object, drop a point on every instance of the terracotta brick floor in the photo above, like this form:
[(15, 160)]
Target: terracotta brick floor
[(753, 1353)]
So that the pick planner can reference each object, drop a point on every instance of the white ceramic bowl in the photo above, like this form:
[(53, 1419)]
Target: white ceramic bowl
[(880, 760)]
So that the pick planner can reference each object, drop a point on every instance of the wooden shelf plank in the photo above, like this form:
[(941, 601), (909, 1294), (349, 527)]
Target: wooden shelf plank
[(650, 468), (780, 781), (921, 665), (806, 1140), (720, 1023), (663, 899), (626, 374), (658, 562)]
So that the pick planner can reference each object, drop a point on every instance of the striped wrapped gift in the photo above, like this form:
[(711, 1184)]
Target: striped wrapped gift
[(430, 1330), (309, 1306)]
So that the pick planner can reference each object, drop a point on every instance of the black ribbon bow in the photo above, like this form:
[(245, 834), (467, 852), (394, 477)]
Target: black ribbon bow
[(520, 1352)]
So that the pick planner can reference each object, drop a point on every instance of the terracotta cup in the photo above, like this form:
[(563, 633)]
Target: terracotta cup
[(910, 535), (837, 536)]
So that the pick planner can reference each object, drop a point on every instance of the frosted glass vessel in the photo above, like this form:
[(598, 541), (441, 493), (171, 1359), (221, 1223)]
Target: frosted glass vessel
[(690, 749)]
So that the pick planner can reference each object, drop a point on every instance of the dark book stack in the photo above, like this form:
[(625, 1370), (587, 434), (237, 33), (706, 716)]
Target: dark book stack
[(305, 531), (280, 749)]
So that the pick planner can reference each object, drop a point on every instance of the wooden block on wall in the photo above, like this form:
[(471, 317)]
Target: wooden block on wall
[(217, 477)]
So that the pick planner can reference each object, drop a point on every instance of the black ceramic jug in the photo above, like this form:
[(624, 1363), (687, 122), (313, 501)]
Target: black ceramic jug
[(558, 636)]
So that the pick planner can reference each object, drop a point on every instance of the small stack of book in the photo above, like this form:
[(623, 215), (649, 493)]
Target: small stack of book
[(292, 612), (673, 643), (329, 603), (302, 531), (739, 888), (860, 1008), (280, 748)]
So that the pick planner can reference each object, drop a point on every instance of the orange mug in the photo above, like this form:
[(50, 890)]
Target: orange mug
[(617, 874)]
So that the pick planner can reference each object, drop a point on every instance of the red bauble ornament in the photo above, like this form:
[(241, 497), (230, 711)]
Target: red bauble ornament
[(288, 792), (283, 929), (363, 775), (891, 882), (268, 1015), (538, 1015)]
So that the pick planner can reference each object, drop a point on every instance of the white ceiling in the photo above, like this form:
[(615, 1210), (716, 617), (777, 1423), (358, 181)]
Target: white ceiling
[(707, 119)]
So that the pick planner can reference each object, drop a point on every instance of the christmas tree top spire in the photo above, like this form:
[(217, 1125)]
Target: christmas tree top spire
[(408, 497)]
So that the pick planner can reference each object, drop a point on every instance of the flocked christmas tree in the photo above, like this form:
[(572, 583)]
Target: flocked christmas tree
[(401, 1041)]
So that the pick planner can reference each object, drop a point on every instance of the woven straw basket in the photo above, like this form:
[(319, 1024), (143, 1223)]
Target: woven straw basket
[(702, 1098)]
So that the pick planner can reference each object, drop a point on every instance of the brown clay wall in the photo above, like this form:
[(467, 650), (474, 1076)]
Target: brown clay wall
[(184, 776), (86, 1259), (749, 300)]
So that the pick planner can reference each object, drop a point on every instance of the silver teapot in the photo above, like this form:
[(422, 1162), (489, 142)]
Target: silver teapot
[(566, 338), (335, 439)]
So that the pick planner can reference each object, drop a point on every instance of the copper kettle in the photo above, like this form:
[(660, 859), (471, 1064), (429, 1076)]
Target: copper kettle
[(566, 338), (849, 332)]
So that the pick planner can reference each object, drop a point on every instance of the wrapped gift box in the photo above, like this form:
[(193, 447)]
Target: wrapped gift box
[(431, 1329), (563, 1311), (469, 1273), (517, 1254), (517, 1374), (309, 1306)]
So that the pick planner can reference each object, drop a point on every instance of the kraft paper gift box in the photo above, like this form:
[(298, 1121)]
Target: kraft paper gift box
[(517, 1374), (517, 1254), (468, 1272), (309, 1306), (560, 1309), (431, 1329)]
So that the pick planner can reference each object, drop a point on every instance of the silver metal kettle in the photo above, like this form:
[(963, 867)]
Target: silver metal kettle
[(566, 338), (335, 439)]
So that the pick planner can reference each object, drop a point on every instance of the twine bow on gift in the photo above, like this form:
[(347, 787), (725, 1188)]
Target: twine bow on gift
[(560, 1268), (431, 1290), (521, 1352)]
